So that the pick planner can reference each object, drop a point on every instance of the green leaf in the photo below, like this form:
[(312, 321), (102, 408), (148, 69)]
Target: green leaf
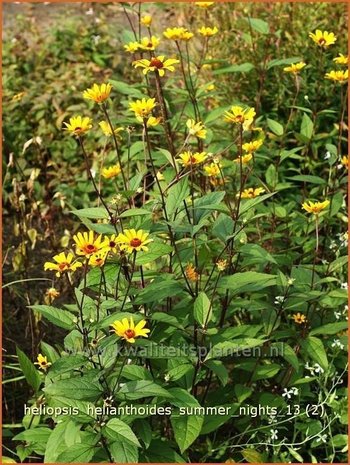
[(309, 179), (247, 204), (92, 213), (176, 195), (283, 61), (121, 87), (123, 452), (242, 392), (166, 318), (118, 430), (286, 351), (255, 254), (58, 317), (134, 212), (67, 363), (140, 389), (330, 328), (307, 126), (314, 348), (56, 443), (258, 25), (158, 290), (81, 453), (252, 456), (229, 348), (248, 281), (202, 309), (219, 370), (275, 127), (242, 68), (84, 411), (79, 388), (156, 250), (40, 434), (159, 451), (28, 368), (186, 427)]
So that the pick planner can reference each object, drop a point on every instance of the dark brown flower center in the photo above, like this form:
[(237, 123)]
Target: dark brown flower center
[(112, 244), (157, 63), (193, 160), (129, 333), (90, 248), (136, 242), (240, 118), (321, 41), (63, 266)]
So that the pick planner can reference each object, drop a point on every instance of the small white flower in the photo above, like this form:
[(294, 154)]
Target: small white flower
[(290, 281), (274, 434), (318, 368), (322, 438), (295, 391), (333, 245), (327, 156), (90, 12), (344, 286), (287, 393), (167, 378), (337, 344), (96, 39), (337, 315), (279, 299), (272, 419), (93, 173)]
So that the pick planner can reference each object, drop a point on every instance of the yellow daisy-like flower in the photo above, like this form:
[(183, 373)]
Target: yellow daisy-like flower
[(253, 146), (299, 318), (221, 264), (294, 67), (111, 242), (98, 93), (106, 129), (323, 38), (149, 43), (212, 170), (189, 158), (87, 244), (251, 193), (153, 121), (158, 63), (316, 207), (98, 259), (128, 331), (63, 264), (245, 159), (204, 4), (78, 125), (240, 115), (51, 294), (133, 241), (143, 108), (338, 76), (345, 161), (341, 59), (196, 129), (146, 20), (42, 362), (208, 31), (132, 47), (177, 33), (191, 273), (111, 171)]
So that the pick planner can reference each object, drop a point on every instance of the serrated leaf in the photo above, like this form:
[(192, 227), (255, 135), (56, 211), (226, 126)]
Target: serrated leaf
[(140, 389), (78, 388), (28, 368), (77, 453), (275, 127), (202, 309), (307, 126), (58, 317), (314, 348), (92, 213), (116, 429), (123, 452), (248, 281)]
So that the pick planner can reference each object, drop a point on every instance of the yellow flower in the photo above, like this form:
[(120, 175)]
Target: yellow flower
[(111, 242), (153, 121), (99, 258), (251, 193), (299, 318), (196, 129), (341, 59), (338, 76), (177, 33), (78, 125), (18, 96), (98, 93), (146, 20), (156, 64), (111, 171), (208, 31), (316, 207), (245, 159), (63, 264), (42, 362), (133, 241), (294, 67), (128, 331), (191, 273), (240, 115), (252, 146), (132, 47), (212, 170), (221, 265), (87, 244), (149, 43), (106, 129), (142, 108), (210, 87), (323, 39), (50, 295), (189, 158), (204, 4), (345, 161)]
